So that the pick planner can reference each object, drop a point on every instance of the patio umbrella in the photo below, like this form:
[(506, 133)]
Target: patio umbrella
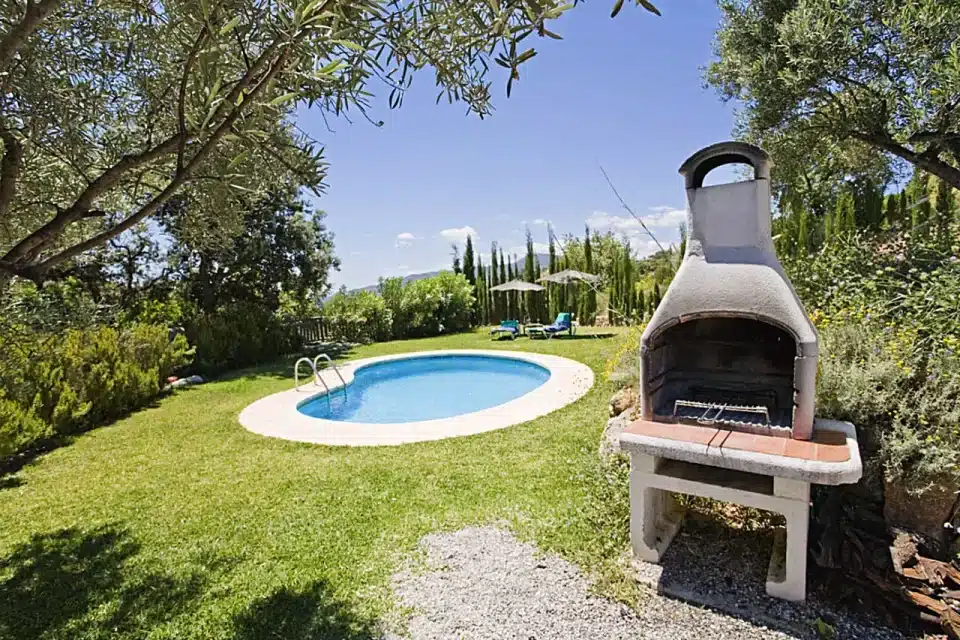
[(570, 275), (517, 285)]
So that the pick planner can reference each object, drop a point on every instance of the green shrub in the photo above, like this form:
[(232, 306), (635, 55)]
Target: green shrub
[(358, 316), (239, 335), (19, 427), (64, 382), (419, 309), (924, 442), (441, 304), (888, 309)]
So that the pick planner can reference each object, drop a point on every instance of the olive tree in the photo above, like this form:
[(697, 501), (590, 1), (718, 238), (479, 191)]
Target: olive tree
[(111, 108), (844, 86)]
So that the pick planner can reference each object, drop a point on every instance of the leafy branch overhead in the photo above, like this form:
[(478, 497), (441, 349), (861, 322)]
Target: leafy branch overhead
[(846, 85), (111, 110)]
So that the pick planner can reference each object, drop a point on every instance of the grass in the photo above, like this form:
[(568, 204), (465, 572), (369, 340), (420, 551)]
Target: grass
[(177, 523)]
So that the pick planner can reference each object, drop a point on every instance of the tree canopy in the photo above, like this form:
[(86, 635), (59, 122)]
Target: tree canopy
[(110, 108), (839, 87)]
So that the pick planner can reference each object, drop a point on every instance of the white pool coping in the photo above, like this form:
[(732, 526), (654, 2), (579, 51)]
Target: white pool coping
[(277, 416)]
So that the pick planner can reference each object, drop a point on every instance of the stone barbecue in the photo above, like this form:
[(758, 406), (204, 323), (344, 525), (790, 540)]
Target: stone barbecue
[(730, 343), (728, 368)]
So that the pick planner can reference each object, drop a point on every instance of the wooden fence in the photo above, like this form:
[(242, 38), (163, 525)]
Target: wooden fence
[(312, 330)]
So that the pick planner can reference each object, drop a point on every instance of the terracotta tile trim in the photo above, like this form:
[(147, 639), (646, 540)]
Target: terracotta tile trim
[(826, 446)]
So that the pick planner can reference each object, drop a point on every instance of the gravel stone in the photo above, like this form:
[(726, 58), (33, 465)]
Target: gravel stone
[(482, 583), (726, 569)]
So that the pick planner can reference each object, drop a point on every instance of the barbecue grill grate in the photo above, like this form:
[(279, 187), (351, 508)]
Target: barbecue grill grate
[(710, 413)]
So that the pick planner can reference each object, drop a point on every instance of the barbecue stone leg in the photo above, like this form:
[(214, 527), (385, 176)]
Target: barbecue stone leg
[(787, 573), (655, 516)]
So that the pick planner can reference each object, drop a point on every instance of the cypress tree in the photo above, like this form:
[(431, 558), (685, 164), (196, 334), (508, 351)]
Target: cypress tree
[(591, 307), (511, 304), (844, 217), (456, 259), (552, 250), (469, 269), (530, 275), (616, 283), (944, 213), (495, 298), (868, 207), (803, 231), (891, 209), (539, 302), (656, 295), (483, 313)]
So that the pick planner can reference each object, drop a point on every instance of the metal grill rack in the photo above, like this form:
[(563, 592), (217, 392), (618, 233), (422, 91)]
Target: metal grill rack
[(709, 413)]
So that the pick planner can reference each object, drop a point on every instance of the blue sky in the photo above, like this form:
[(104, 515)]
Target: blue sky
[(627, 92)]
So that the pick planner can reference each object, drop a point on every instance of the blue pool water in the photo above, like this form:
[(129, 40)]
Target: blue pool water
[(427, 388)]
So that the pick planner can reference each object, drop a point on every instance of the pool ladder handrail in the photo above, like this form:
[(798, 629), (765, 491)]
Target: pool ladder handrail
[(316, 375)]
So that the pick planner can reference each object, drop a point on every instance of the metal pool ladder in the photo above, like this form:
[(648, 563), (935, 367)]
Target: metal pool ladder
[(316, 375)]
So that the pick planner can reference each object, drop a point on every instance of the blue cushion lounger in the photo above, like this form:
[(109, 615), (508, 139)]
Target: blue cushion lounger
[(508, 327), (564, 322)]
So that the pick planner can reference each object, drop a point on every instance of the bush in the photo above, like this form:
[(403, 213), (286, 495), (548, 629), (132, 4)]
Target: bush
[(61, 383), (239, 335), (358, 316), (888, 310), (419, 309), (924, 442), (441, 304)]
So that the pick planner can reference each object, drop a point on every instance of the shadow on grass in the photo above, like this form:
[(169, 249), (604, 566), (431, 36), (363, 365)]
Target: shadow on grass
[(580, 336), (74, 583), (282, 368), (310, 614), (10, 482), (12, 464)]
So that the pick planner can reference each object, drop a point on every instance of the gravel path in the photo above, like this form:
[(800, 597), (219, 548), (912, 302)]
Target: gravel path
[(482, 583)]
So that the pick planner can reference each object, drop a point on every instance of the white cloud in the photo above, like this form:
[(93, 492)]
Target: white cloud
[(459, 235), (662, 221), (541, 222), (405, 239)]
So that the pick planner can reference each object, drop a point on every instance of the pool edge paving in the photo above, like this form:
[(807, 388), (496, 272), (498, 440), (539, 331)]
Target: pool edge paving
[(277, 416)]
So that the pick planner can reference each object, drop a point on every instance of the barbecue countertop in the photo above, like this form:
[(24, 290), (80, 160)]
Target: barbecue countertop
[(832, 457)]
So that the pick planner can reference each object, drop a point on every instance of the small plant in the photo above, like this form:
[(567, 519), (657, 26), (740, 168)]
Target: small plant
[(623, 368)]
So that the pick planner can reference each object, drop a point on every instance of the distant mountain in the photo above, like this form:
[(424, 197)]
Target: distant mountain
[(413, 277)]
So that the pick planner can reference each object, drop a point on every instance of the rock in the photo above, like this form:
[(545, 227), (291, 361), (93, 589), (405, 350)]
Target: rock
[(622, 400), (184, 382), (610, 442), (925, 513), (903, 552)]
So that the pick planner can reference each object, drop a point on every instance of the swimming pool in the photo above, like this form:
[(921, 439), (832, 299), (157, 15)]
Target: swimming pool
[(427, 388), (444, 396)]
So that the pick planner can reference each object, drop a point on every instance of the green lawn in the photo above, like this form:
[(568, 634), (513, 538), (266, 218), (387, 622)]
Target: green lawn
[(178, 523)]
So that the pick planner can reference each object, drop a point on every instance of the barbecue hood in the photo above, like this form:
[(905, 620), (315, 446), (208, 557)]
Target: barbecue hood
[(730, 341)]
